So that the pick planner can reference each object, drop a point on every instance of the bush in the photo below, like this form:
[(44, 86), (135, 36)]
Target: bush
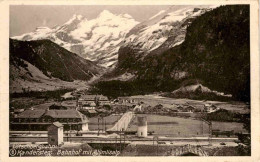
[(56, 94), (223, 115)]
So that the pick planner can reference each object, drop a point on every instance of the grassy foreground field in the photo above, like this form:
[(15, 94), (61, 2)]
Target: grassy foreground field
[(176, 126)]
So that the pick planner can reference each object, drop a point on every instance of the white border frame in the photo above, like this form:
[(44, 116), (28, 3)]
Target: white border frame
[(4, 79)]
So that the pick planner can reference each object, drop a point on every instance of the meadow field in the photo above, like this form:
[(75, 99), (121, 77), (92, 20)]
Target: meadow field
[(176, 126)]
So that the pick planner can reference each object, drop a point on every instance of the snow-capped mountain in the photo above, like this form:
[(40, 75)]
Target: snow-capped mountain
[(97, 39), (161, 32), (164, 30), (199, 68)]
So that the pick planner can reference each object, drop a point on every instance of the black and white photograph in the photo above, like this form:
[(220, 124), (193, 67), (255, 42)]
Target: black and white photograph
[(130, 80)]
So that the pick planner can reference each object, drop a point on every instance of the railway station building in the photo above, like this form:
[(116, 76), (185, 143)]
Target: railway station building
[(40, 120)]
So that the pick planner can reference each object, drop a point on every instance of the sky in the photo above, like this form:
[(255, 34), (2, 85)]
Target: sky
[(25, 18)]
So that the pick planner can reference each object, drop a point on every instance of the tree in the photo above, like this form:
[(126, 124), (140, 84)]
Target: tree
[(244, 140)]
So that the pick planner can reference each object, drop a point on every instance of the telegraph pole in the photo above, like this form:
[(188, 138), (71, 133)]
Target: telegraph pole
[(67, 132), (124, 137), (120, 140), (98, 126), (157, 145), (210, 132), (157, 139), (102, 124), (105, 126), (70, 132), (116, 142)]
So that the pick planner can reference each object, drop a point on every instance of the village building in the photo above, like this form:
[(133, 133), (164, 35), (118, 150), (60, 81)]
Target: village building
[(124, 100), (55, 134), (138, 108), (72, 104), (91, 106), (180, 108), (56, 107), (41, 119), (103, 100), (92, 113), (209, 108), (189, 108), (86, 100)]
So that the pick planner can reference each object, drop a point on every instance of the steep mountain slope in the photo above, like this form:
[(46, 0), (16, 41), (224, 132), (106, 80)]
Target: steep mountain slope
[(218, 50), (24, 77), (161, 32), (44, 60), (97, 39), (215, 53)]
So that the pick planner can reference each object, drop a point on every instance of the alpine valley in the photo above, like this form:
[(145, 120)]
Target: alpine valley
[(198, 52)]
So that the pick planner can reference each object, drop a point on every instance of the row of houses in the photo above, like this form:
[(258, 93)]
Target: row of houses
[(126, 100), (67, 113), (209, 108), (91, 101)]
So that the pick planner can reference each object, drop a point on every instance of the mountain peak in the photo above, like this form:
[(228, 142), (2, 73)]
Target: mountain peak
[(105, 13), (97, 39), (126, 16), (78, 17), (75, 17)]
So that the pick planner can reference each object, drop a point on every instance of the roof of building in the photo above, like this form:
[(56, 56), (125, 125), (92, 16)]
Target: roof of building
[(42, 106), (83, 117), (101, 97), (190, 107), (31, 114), (92, 111), (69, 103), (207, 104), (63, 113), (70, 113), (93, 97), (179, 107), (57, 124), (92, 104), (88, 97), (57, 107)]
